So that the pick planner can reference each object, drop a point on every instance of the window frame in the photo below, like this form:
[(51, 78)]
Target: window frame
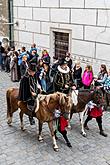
[(52, 46)]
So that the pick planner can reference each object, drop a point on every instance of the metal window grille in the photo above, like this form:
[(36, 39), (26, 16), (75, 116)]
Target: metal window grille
[(61, 44)]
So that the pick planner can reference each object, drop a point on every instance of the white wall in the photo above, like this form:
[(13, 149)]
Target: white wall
[(89, 21)]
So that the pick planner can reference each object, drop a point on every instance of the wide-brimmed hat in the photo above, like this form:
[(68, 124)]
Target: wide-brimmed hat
[(32, 67)]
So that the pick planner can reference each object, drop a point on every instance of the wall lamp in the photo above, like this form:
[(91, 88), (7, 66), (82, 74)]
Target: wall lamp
[(11, 23)]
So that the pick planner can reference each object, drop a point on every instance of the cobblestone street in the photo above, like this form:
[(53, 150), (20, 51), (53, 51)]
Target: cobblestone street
[(23, 148)]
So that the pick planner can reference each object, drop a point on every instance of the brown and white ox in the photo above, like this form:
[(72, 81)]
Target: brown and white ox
[(44, 112)]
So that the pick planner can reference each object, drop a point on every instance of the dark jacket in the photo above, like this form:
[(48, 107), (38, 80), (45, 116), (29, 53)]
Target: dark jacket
[(28, 84), (23, 68), (2, 50), (69, 63), (54, 69), (77, 76), (61, 79), (77, 73), (46, 59)]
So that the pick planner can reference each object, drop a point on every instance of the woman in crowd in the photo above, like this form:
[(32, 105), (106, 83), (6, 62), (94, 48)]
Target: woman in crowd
[(8, 58), (14, 67), (21, 54), (69, 60), (45, 57), (5, 57), (102, 76), (41, 74), (47, 76), (87, 77), (33, 57), (77, 71), (23, 66), (33, 47), (107, 83), (1, 57)]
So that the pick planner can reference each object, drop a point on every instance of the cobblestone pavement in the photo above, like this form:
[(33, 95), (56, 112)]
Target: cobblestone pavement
[(23, 148)]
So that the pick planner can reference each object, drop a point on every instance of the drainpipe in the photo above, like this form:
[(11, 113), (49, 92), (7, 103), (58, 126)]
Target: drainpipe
[(11, 25)]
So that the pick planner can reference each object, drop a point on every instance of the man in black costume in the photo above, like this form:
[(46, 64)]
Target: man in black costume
[(28, 90), (63, 79)]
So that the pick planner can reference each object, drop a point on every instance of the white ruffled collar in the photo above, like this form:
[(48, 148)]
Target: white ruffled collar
[(62, 70)]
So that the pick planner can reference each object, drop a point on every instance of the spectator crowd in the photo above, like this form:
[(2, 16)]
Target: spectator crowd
[(17, 61), (31, 70)]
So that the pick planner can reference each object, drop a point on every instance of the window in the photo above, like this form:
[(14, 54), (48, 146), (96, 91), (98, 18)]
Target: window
[(60, 42)]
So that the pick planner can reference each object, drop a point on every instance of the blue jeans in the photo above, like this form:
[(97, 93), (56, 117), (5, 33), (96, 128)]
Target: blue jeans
[(43, 84)]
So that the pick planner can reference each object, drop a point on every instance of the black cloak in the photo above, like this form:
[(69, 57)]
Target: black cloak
[(28, 84)]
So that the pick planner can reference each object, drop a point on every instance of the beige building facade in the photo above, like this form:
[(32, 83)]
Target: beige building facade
[(81, 27)]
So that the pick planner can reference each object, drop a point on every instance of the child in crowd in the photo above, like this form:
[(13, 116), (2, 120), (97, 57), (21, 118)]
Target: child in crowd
[(87, 77)]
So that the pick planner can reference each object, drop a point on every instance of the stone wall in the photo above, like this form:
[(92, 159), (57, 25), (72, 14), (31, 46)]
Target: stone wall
[(89, 21)]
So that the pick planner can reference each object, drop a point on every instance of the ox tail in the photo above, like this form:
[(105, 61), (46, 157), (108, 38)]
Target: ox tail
[(8, 102)]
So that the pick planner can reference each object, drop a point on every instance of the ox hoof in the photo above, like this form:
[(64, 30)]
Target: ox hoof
[(83, 134), (55, 149)]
